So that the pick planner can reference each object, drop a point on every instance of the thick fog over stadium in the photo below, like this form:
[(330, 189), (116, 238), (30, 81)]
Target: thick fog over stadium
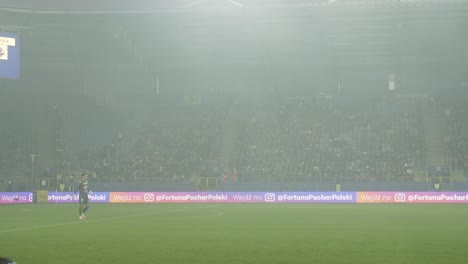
[(283, 72), (236, 101)]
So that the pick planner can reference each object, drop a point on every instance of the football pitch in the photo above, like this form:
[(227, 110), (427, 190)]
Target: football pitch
[(235, 233)]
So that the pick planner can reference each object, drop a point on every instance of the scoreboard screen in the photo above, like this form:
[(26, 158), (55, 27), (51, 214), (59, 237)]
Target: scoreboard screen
[(9, 55)]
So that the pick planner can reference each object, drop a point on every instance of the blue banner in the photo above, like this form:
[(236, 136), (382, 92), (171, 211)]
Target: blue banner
[(69, 197), (232, 197), (245, 197), (9, 55)]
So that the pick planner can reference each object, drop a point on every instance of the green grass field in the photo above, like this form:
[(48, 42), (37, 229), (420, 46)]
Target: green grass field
[(235, 233)]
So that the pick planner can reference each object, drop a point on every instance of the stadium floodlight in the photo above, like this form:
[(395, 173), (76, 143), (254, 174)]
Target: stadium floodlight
[(236, 3), (193, 3), (204, 3)]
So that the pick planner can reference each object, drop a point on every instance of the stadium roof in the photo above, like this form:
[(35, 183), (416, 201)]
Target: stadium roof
[(87, 6), (265, 35)]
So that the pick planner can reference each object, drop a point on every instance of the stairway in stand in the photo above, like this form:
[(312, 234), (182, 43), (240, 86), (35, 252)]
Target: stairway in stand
[(435, 148), (229, 136), (46, 129)]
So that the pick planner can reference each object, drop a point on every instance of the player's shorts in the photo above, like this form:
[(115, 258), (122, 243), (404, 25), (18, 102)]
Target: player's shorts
[(84, 199)]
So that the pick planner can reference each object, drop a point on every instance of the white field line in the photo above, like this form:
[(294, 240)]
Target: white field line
[(170, 217), (114, 218)]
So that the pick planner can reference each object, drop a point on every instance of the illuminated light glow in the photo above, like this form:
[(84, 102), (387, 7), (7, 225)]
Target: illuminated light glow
[(193, 3), (236, 3)]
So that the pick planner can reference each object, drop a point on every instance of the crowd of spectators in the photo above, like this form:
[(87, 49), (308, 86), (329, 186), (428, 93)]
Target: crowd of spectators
[(172, 144), (452, 112), (12, 153), (175, 145), (322, 138)]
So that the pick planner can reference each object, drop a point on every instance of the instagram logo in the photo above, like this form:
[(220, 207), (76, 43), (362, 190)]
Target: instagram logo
[(270, 197), (400, 197), (148, 197)]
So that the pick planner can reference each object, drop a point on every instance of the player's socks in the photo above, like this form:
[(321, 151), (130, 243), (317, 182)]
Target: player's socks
[(85, 209)]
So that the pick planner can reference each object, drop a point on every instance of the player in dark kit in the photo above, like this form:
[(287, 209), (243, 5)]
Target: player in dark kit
[(83, 189)]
